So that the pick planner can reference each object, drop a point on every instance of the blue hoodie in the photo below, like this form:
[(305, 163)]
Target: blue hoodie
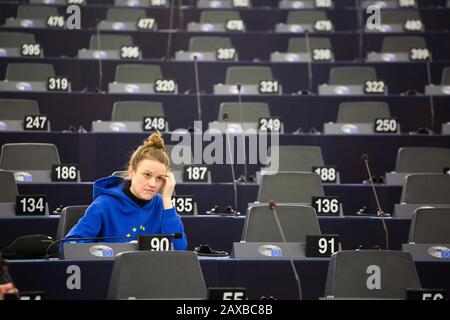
[(113, 213)]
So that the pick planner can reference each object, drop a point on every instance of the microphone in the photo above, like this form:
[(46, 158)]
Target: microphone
[(225, 118), (100, 63), (169, 39), (431, 98), (244, 177), (359, 19), (273, 208), (5, 277), (176, 235), (365, 159), (308, 49), (197, 89)]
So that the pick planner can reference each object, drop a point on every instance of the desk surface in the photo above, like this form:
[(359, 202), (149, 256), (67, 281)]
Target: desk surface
[(220, 232)]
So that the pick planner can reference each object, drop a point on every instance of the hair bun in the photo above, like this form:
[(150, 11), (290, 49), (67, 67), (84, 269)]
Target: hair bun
[(154, 141)]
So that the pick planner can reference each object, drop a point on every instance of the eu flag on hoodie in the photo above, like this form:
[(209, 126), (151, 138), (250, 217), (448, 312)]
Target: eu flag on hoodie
[(113, 213)]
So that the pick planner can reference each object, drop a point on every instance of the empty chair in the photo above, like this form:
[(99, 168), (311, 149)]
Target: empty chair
[(32, 16), (300, 45), (127, 19), (422, 159), (208, 44), (299, 4), (15, 39), (253, 80), (404, 20), (157, 275), (247, 75), (362, 111), (290, 187), (136, 110), (445, 80), (297, 221), (28, 156), (125, 14), (8, 194), (29, 72), (297, 158), (245, 112), (109, 42), (383, 4), (320, 49), (354, 80), (8, 186), (217, 20), (219, 16), (305, 20), (352, 75), (34, 12), (402, 44), (400, 48), (371, 274), (207, 49), (426, 189), (137, 73), (390, 17), (69, 217), (217, 4), (443, 88), (430, 225), (305, 17), (17, 109)]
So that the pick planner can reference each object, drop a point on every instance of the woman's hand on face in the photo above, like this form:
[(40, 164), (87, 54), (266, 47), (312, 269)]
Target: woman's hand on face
[(167, 189)]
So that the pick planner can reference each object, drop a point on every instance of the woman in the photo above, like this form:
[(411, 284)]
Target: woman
[(133, 206)]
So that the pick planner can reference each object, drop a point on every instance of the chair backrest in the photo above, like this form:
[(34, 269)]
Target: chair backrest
[(399, 16), (445, 80), (137, 73), (305, 16), (362, 111), (68, 219), (17, 109), (422, 159), (248, 75), (15, 39), (125, 14), (28, 156), (33, 12), (426, 189), (352, 75), (290, 187), (136, 110), (218, 16), (109, 42), (8, 187), (402, 44), (371, 274), (157, 275), (209, 44), (298, 158), (430, 225), (251, 111), (29, 71), (297, 221), (300, 45)]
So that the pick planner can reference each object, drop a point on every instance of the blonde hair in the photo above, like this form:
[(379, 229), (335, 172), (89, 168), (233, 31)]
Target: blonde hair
[(151, 149)]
